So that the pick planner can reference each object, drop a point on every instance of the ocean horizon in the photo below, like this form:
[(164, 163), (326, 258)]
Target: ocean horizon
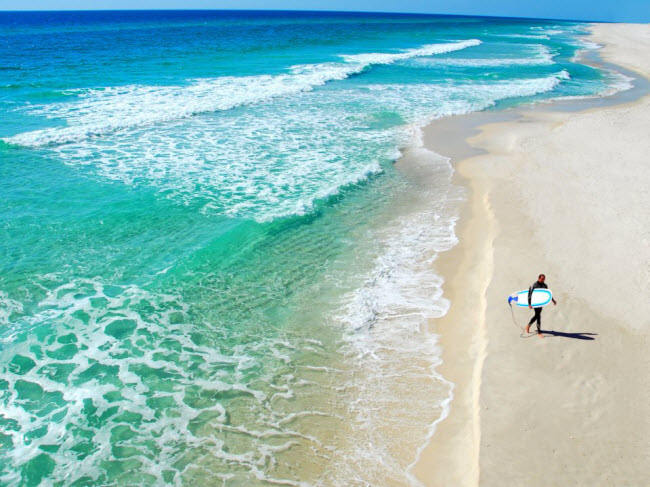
[(212, 272)]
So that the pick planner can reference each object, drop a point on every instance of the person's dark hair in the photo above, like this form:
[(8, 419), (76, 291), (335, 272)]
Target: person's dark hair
[(541, 275)]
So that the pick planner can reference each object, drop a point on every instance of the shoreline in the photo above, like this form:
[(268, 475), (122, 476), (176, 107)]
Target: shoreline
[(464, 451)]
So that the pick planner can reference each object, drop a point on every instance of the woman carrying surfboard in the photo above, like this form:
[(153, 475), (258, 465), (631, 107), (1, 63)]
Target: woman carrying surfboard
[(538, 284)]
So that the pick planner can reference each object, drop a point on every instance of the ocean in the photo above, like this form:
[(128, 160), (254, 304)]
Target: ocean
[(212, 272)]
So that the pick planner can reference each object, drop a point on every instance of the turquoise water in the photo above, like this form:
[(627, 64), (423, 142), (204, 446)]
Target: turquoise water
[(211, 272)]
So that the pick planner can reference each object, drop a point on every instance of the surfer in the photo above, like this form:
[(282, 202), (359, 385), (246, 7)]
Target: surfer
[(538, 284)]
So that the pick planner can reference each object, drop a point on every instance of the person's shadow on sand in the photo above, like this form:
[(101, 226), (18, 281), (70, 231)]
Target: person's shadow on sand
[(577, 336)]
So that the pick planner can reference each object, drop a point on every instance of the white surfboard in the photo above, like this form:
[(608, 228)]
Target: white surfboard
[(540, 297)]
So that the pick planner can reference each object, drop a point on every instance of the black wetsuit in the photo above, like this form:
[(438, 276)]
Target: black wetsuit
[(538, 311)]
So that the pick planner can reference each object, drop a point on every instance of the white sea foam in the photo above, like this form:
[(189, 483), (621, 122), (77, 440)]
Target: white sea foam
[(280, 158), (525, 36), (265, 164), (553, 30), (396, 390), (584, 45), (590, 45), (8, 307), (102, 111), (618, 82), (428, 50), (122, 350), (461, 99), (538, 55)]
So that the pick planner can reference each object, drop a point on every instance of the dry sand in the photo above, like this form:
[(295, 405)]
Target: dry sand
[(565, 193)]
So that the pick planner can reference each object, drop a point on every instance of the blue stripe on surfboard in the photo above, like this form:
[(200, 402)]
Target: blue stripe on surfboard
[(521, 298)]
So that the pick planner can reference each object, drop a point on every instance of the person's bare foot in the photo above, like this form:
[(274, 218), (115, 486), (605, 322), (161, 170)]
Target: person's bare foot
[(540, 335), (528, 329)]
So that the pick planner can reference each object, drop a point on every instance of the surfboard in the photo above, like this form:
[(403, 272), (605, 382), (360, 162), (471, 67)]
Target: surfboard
[(540, 297)]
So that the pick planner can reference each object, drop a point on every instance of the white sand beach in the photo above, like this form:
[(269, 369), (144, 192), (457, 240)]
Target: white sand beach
[(565, 193)]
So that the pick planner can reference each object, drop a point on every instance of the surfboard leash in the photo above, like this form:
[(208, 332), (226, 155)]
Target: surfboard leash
[(523, 330)]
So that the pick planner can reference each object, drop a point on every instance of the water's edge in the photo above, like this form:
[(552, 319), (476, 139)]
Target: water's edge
[(445, 459)]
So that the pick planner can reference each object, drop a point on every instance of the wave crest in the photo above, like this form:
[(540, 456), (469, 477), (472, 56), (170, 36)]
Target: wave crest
[(101, 111)]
